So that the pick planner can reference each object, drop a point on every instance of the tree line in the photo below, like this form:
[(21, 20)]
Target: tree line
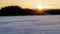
[(53, 11), (16, 10)]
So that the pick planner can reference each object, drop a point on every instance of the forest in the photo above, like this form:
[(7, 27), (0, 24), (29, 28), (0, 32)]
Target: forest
[(16, 11)]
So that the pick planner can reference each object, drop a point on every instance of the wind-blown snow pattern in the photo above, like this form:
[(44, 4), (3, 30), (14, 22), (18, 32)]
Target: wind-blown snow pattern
[(48, 24)]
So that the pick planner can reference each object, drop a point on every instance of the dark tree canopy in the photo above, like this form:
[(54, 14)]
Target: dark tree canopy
[(10, 10), (53, 11), (16, 10)]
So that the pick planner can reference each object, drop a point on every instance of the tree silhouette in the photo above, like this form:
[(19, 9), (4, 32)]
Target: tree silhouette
[(10, 10), (53, 11), (15, 10)]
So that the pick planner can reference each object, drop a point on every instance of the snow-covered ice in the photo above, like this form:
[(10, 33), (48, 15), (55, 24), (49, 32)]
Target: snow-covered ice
[(45, 24)]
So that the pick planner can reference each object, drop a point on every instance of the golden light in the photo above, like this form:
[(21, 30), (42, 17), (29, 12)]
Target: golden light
[(41, 12), (40, 6), (40, 9), (43, 7)]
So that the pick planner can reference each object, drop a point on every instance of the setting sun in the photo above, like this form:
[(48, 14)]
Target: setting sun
[(40, 6), (43, 7)]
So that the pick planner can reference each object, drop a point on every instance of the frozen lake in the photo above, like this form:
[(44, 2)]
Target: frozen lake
[(30, 24)]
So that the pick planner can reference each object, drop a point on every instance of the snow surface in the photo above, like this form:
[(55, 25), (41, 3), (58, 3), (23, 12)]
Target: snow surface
[(48, 24)]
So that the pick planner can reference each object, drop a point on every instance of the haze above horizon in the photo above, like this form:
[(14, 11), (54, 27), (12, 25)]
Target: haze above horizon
[(33, 4)]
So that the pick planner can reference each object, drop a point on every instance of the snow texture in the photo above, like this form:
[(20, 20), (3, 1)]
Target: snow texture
[(48, 24)]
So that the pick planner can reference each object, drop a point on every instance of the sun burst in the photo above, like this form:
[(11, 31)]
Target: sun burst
[(40, 6)]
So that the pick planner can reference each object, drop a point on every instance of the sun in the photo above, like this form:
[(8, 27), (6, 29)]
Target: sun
[(40, 6), (40, 9)]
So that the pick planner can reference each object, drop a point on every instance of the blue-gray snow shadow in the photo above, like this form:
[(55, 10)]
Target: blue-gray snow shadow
[(35, 25)]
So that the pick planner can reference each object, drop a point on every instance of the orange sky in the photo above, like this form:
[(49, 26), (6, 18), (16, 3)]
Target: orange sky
[(31, 3)]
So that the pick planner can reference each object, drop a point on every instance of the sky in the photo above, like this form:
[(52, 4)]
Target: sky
[(31, 3)]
